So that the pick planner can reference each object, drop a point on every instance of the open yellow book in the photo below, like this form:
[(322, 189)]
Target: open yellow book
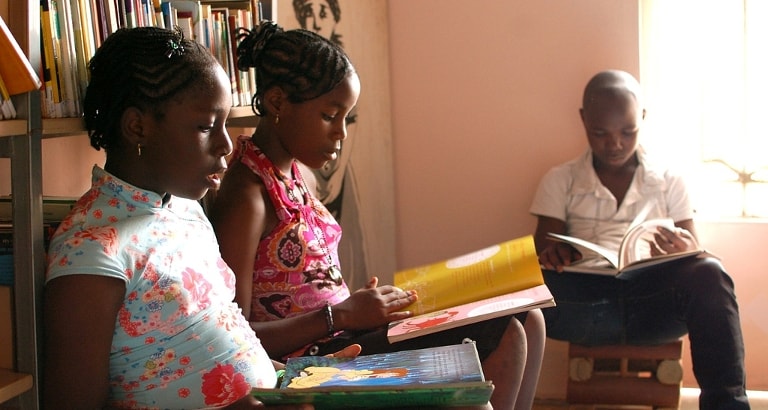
[(496, 281), (496, 270)]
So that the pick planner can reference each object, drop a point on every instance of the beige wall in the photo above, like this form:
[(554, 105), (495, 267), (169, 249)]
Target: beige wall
[(484, 100)]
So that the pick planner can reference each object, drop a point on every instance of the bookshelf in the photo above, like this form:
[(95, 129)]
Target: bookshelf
[(21, 142)]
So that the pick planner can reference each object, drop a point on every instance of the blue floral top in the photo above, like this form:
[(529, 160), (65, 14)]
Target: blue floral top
[(180, 341)]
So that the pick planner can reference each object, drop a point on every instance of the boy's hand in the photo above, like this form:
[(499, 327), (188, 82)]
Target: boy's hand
[(557, 255), (672, 241)]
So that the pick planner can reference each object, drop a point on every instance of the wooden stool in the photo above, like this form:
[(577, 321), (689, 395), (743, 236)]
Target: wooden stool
[(625, 375)]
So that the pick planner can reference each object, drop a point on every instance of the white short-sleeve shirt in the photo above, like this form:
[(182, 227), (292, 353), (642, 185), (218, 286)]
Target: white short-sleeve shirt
[(572, 192)]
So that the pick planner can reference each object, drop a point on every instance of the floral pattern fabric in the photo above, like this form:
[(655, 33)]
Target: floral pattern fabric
[(180, 341), (291, 271)]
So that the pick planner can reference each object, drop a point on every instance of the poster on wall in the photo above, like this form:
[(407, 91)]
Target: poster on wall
[(358, 186)]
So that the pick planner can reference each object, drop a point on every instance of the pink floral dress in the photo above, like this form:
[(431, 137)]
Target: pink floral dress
[(293, 271), (180, 341)]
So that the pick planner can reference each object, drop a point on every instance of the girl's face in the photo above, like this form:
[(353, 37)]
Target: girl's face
[(186, 149), (312, 131), (612, 123)]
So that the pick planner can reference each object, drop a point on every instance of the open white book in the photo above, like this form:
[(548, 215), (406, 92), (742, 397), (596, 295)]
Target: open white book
[(633, 255)]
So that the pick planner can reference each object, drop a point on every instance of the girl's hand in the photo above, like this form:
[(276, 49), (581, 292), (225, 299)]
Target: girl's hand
[(348, 352), (373, 306)]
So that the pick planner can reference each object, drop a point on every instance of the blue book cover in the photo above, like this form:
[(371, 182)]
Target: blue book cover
[(446, 375)]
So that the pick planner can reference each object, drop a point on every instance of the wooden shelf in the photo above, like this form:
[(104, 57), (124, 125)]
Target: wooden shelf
[(13, 127), (13, 384), (60, 127)]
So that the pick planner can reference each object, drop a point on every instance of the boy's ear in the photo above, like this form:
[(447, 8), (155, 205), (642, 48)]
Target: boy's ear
[(132, 126)]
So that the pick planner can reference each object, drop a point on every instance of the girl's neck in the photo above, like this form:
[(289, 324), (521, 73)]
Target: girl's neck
[(270, 145)]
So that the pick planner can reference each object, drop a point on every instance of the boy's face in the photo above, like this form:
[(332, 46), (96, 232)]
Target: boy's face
[(612, 122)]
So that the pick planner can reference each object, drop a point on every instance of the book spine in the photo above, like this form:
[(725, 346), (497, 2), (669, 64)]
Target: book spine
[(207, 23), (239, 84), (158, 10), (7, 110), (112, 14), (51, 57), (83, 41), (169, 15), (70, 89)]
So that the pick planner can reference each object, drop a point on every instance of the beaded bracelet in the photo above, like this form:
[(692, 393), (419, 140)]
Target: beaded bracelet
[(329, 318)]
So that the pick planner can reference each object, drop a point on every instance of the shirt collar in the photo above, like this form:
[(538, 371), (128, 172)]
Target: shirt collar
[(131, 194), (649, 174)]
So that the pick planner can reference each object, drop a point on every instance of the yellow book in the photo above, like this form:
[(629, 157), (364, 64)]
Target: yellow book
[(48, 48), (7, 110), (493, 271)]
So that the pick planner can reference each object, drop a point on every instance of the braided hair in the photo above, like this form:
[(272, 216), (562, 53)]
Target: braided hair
[(302, 63), (140, 67)]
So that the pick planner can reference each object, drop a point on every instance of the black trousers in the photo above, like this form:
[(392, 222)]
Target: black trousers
[(658, 305)]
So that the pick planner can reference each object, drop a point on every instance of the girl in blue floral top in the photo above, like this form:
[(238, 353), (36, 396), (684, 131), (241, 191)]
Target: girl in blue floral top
[(139, 309)]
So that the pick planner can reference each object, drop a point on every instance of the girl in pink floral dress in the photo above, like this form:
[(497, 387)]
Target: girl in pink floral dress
[(282, 243)]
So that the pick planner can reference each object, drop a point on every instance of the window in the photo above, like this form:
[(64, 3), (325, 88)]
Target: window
[(704, 71)]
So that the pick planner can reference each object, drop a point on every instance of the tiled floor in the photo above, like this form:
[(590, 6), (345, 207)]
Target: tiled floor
[(758, 400)]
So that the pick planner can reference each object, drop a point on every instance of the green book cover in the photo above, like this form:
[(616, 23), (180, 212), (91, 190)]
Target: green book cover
[(445, 376)]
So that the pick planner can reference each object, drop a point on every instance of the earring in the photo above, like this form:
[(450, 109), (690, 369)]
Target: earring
[(277, 119), (138, 146)]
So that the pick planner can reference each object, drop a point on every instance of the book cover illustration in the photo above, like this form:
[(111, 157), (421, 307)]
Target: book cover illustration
[(445, 375), (449, 318), (496, 270)]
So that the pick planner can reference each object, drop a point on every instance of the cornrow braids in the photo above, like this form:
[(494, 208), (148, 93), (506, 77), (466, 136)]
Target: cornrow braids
[(302, 63), (140, 67)]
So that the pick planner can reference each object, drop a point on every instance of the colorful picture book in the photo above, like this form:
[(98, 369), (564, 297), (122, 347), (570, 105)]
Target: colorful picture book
[(520, 301), (439, 376), (633, 255), (496, 281)]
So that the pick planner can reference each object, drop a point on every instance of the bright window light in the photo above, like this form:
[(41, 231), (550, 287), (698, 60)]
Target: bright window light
[(704, 71)]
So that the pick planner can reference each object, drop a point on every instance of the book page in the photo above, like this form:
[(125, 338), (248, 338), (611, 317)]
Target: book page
[(635, 245), (588, 248)]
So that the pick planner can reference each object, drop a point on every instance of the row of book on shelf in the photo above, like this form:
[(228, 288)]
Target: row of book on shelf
[(72, 30)]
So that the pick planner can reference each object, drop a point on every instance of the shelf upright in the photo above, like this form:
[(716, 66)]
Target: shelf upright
[(25, 153)]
